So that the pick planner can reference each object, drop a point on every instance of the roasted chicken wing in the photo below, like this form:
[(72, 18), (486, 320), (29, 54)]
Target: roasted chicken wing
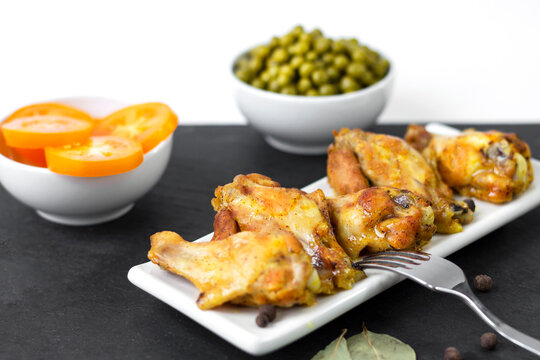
[(246, 268), (256, 203), (385, 160), (381, 218), (491, 166)]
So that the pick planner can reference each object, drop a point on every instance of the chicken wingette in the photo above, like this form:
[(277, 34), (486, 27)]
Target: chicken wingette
[(246, 268), (358, 159), (256, 203), (491, 166)]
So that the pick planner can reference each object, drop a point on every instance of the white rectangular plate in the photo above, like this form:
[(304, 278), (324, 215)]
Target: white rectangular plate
[(237, 324)]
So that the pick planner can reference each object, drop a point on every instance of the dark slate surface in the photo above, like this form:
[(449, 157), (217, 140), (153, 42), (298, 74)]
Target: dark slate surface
[(64, 292)]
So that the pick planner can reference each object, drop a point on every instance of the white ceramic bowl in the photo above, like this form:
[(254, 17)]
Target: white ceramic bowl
[(303, 124), (74, 200)]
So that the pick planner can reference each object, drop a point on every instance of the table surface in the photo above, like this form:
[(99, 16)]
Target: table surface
[(65, 293)]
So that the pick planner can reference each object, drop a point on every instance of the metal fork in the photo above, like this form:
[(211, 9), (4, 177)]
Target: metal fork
[(441, 275)]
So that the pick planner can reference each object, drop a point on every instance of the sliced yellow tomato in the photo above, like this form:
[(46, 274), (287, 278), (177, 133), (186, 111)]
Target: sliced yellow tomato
[(49, 109), (149, 124), (99, 156), (40, 131)]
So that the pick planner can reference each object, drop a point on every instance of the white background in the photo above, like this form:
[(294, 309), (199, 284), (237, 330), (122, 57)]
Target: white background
[(456, 61)]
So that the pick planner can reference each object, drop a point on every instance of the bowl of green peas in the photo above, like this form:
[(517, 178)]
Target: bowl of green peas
[(298, 88)]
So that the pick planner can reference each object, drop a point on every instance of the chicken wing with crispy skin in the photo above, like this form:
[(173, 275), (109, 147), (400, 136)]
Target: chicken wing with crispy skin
[(246, 268), (389, 161), (256, 203), (381, 218), (492, 166)]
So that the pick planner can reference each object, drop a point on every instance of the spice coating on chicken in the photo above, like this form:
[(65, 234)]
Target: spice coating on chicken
[(246, 268), (259, 204), (386, 160), (491, 166), (381, 218)]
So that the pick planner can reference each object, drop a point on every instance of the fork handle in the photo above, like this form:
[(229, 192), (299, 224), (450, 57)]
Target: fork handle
[(464, 292)]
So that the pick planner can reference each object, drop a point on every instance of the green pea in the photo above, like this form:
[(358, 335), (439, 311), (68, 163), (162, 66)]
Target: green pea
[(359, 55), (304, 84), (260, 51), (348, 84), (316, 33), (339, 46), (371, 57), (297, 30), (319, 77), (306, 69), (274, 86), (273, 71), (255, 64), (244, 75), (368, 79), (280, 55), (322, 45), (296, 61), (328, 58), (356, 70), (381, 68), (305, 37), (265, 76), (311, 56), (333, 73), (270, 62), (258, 83), (328, 89), (286, 70), (353, 43), (341, 61), (274, 43), (242, 63), (312, 92), (283, 80), (286, 40), (299, 48), (289, 90)]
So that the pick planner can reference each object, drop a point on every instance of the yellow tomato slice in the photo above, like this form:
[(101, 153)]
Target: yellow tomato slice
[(36, 157), (40, 131), (99, 156), (49, 109), (149, 124)]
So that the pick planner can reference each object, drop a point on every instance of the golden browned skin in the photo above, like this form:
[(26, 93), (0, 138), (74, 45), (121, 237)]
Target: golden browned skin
[(389, 161), (246, 268), (224, 225), (259, 204), (381, 218), (491, 166), (347, 178)]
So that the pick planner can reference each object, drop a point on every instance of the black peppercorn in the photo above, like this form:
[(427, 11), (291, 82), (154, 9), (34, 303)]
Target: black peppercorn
[(269, 311), (261, 320), (451, 353), (267, 314), (488, 341), (483, 282)]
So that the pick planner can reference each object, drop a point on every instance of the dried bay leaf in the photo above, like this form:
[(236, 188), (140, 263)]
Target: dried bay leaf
[(336, 350), (372, 346)]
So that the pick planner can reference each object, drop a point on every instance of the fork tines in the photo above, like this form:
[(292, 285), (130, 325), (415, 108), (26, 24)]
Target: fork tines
[(391, 259)]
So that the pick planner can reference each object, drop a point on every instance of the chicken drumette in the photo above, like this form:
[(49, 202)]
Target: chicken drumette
[(381, 218), (358, 159), (246, 268), (491, 166)]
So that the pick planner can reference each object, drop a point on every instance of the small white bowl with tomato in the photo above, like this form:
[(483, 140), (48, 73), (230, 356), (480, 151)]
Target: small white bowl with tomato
[(84, 160)]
